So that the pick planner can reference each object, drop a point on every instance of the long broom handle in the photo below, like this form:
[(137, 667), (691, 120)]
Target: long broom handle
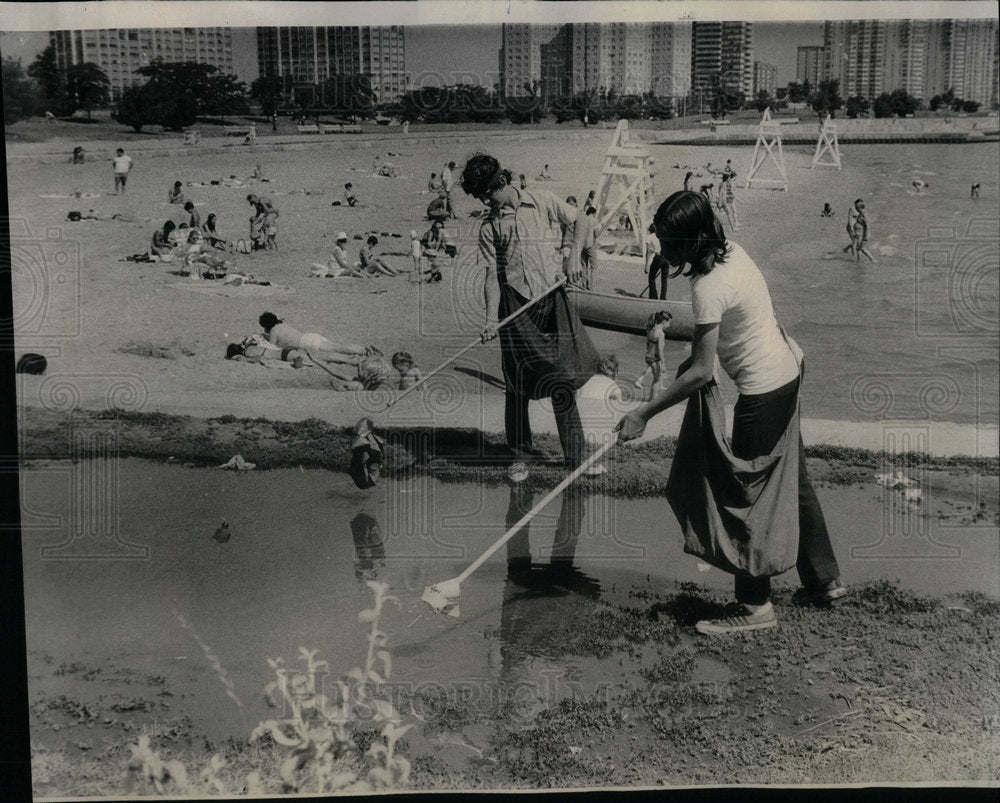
[(531, 513), (558, 283)]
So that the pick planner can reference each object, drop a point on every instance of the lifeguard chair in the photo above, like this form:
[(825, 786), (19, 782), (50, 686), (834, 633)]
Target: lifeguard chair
[(768, 145)]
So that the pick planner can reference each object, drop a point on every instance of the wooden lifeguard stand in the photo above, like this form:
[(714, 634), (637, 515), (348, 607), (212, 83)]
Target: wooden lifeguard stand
[(768, 144), (827, 146), (626, 185)]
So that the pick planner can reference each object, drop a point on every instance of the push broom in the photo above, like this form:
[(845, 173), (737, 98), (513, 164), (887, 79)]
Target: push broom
[(443, 597)]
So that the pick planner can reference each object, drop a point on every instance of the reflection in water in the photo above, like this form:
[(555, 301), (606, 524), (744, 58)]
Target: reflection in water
[(545, 605), (369, 549)]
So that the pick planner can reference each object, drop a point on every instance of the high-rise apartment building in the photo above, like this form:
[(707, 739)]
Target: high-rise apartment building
[(972, 56), (854, 54), (120, 52), (809, 65), (724, 49), (619, 57), (765, 78), (307, 56)]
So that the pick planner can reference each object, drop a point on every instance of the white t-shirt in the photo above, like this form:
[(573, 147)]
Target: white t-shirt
[(122, 164), (751, 347)]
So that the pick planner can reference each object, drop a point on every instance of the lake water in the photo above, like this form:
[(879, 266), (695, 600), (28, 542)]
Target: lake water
[(205, 613), (915, 336)]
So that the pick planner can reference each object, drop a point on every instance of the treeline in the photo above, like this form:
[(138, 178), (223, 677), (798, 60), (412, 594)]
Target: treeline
[(825, 98)]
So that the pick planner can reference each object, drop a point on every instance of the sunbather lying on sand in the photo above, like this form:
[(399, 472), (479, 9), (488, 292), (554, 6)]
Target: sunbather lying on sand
[(256, 349), (282, 335)]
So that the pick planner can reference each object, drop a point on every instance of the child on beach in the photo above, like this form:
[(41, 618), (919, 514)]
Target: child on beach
[(857, 230), (370, 373), (975, 190), (827, 211), (919, 185), (656, 345), (523, 181), (194, 217), (544, 174), (176, 193), (417, 254), (349, 197), (371, 263), (409, 374), (122, 165), (727, 198), (434, 184)]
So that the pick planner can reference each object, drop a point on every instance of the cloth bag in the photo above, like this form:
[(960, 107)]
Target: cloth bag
[(741, 516)]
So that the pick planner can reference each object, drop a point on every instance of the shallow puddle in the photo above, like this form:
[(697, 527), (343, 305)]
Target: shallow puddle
[(127, 568)]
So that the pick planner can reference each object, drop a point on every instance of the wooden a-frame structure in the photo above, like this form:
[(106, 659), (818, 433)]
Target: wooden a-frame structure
[(827, 145), (768, 144), (626, 186)]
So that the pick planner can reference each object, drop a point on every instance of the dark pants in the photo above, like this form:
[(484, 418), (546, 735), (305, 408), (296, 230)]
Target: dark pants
[(518, 427), (658, 266), (758, 422)]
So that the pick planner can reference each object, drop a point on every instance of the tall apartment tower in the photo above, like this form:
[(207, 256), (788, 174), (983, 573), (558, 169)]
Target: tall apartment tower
[(809, 65), (624, 58), (765, 78), (120, 52), (726, 49), (521, 56), (855, 54), (972, 58), (308, 56), (671, 59)]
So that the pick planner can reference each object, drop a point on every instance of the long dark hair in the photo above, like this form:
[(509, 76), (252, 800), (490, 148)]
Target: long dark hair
[(695, 236)]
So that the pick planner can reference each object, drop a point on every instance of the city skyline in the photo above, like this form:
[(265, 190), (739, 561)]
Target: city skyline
[(923, 57), (474, 54)]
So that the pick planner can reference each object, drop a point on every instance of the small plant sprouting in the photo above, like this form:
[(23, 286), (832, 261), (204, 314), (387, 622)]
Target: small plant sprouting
[(319, 728)]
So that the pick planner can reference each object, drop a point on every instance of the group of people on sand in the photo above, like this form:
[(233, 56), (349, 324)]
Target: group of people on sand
[(350, 366), (369, 265)]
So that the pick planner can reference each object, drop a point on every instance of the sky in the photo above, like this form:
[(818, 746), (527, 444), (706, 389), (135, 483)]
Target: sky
[(467, 54)]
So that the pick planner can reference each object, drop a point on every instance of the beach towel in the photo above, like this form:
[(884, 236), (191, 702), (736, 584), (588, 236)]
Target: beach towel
[(741, 516)]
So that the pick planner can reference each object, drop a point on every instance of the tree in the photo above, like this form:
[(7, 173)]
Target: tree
[(762, 101), (264, 91), (826, 99), (20, 96), (49, 78), (87, 86), (796, 93), (883, 106), (136, 107), (857, 106), (903, 102), (970, 106), (348, 95), (224, 94)]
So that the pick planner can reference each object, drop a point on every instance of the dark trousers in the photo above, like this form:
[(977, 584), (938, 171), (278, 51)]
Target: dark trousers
[(758, 422), (518, 427), (658, 266)]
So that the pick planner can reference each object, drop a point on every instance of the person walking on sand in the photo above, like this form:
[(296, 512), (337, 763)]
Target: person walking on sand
[(122, 165), (448, 183), (655, 264), (735, 322), (974, 193), (545, 352), (857, 230), (727, 198)]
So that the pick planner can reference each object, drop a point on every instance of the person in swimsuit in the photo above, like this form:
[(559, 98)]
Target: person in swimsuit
[(857, 230), (283, 336), (656, 344)]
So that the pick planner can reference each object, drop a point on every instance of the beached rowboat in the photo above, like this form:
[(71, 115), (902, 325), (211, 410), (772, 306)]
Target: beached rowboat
[(627, 313)]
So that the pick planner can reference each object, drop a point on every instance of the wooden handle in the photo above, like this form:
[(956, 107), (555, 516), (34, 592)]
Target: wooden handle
[(531, 513), (558, 283)]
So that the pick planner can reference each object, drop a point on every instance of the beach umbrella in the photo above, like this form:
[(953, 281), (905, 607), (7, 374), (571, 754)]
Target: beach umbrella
[(443, 597), (364, 425)]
